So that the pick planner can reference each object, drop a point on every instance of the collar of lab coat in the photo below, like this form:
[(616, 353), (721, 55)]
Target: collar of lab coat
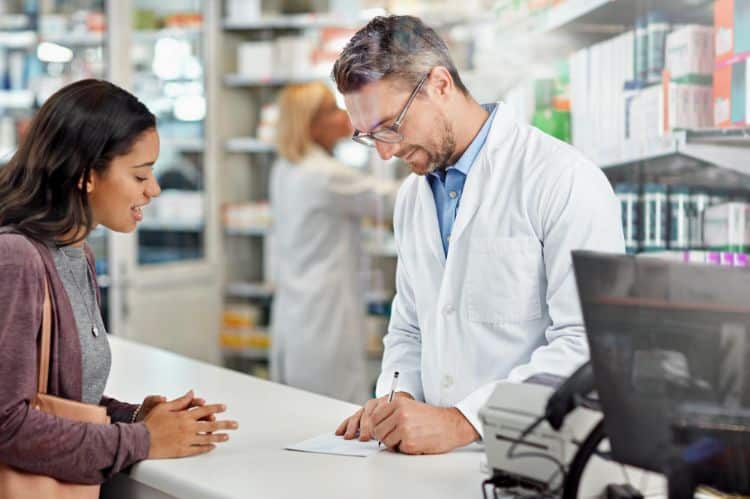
[(502, 126)]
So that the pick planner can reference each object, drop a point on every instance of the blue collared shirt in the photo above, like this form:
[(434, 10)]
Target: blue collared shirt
[(448, 185)]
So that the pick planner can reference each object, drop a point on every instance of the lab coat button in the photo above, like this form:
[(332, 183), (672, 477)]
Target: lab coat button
[(448, 310), (447, 381)]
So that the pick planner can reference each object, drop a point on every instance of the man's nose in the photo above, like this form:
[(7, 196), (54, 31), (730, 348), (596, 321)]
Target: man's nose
[(385, 150)]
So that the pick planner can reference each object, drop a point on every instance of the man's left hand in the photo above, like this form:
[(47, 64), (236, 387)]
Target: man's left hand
[(412, 427)]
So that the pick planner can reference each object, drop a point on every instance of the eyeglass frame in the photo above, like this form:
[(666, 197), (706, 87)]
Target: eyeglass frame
[(361, 137)]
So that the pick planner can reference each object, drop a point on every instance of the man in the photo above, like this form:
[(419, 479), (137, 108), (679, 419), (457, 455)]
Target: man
[(484, 227)]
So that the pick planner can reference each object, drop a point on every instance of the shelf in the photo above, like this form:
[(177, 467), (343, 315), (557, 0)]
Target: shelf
[(196, 145), (250, 231), (76, 39), (253, 290), (576, 24), (170, 227), (237, 80), (381, 250), (150, 36), (265, 291), (246, 353), (17, 39), (249, 145), (725, 148), (16, 99), (305, 21)]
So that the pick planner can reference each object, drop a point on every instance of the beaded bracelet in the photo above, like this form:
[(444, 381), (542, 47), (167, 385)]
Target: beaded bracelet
[(135, 413)]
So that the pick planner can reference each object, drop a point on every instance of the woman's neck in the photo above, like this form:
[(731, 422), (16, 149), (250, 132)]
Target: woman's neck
[(73, 234)]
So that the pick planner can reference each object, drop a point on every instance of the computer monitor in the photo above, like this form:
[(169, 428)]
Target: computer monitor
[(670, 344)]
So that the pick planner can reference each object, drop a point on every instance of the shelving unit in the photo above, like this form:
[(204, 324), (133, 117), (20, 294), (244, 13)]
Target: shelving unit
[(249, 145), (247, 159), (573, 24)]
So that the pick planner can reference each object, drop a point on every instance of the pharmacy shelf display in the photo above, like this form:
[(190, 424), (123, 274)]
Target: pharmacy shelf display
[(579, 23), (168, 71), (725, 148)]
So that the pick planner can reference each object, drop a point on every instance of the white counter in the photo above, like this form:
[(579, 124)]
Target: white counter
[(253, 463)]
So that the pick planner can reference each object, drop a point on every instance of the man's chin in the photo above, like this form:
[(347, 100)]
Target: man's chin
[(422, 170)]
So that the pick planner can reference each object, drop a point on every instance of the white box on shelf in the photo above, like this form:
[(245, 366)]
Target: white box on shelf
[(727, 225), (293, 57), (176, 209), (690, 51), (243, 10), (689, 106), (255, 60)]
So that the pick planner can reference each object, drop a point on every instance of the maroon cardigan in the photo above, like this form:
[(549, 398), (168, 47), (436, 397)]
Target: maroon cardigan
[(29, 439)]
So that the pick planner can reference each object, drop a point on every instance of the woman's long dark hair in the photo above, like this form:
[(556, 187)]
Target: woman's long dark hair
[(81, 128)]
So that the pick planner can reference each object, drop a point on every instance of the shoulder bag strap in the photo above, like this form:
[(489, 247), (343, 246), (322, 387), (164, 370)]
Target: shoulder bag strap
[(44, 341)]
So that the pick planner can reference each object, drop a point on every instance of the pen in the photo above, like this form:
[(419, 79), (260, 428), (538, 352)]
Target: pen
[(393, 391)]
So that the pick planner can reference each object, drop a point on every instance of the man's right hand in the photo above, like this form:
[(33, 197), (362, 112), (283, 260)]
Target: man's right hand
[(361, 421)]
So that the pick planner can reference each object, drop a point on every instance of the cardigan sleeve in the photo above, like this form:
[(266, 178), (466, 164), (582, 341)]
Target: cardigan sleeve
[(31, 440)]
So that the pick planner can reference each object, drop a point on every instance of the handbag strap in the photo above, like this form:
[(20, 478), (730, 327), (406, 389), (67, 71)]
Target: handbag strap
[(45, 341)]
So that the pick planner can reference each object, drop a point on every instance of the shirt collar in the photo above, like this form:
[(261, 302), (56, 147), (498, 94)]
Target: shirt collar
[(467, 159)]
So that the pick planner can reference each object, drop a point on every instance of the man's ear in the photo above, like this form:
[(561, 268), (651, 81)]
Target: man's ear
[(441, 80)]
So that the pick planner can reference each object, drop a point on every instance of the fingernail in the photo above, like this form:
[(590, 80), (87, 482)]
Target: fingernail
[(223, 407), (235, 426)]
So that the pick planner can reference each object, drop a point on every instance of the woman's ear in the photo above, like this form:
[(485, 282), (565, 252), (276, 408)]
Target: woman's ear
[(89, 183)]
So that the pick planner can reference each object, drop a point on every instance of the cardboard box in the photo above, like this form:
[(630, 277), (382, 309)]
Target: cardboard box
[(690, 52), (688, 106), (724, 30), (730, 88), (741, 27)]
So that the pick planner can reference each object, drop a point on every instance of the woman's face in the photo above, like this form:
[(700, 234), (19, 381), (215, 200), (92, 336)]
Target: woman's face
[(330, 123), (117, 195)]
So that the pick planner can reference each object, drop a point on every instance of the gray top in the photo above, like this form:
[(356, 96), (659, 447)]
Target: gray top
[(95, 354)]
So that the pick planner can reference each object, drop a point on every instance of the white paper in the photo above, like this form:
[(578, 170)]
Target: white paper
[(328, 443)]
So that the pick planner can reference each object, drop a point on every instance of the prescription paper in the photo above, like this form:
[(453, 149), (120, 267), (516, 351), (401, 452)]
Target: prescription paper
[(329, 443)]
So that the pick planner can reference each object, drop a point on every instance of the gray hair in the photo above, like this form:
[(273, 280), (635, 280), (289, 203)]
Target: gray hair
[(399, 48)]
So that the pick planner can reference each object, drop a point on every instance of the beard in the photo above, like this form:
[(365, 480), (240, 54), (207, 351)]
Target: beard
[(437, 159)]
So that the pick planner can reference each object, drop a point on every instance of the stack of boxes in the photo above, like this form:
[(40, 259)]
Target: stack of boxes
[(688, 77), (730, 88), (630, 92)]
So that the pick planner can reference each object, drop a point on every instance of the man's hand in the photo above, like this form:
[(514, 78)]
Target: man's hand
[(361, 421), (413, 427)]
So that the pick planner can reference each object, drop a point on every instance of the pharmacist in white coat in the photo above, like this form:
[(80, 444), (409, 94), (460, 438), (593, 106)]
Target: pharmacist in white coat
[(317, 205), (484, 227)]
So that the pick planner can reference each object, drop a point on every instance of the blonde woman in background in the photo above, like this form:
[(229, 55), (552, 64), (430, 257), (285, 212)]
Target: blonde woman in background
[(318, 205)]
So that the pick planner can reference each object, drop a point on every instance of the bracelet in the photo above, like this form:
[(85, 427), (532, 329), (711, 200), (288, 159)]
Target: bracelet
[(135, 413)]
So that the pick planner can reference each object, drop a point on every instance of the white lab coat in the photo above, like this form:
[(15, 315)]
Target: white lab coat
[(317, 341), (504, 305)]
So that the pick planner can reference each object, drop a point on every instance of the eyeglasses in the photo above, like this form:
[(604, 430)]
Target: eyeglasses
[(389, 134)]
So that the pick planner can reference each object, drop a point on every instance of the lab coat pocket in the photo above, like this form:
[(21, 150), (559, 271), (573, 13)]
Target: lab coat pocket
[(503, 280)]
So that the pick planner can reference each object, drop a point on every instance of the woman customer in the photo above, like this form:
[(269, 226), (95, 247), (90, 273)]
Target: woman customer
[(317, 205), (86, 161)]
